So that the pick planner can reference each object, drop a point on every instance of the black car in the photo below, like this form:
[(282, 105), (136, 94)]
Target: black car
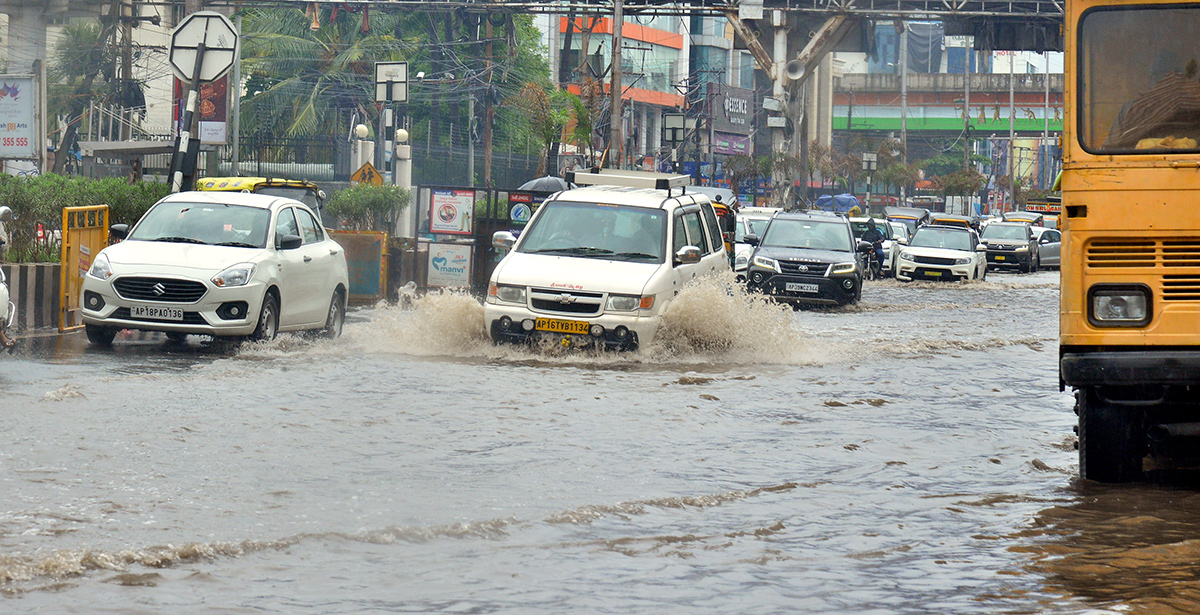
[(1011, 245), (807, 258)]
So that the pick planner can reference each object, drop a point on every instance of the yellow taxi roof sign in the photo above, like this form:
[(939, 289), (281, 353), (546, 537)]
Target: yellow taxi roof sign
[(366, 174)]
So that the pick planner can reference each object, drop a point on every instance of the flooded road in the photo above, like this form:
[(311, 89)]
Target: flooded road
[(911, 454)]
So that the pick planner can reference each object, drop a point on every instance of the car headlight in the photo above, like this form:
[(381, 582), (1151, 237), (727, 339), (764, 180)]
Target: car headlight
[(1023, 249), (1119, 305), (101, 269), (845, 268), (237, 275), (622, 303), (962, 261), (905, 256), (741, 260), (510, 294), (766, 263)]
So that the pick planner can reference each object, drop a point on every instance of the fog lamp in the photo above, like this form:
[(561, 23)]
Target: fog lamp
[(505, 323), (848, 283), (621, 332), (527, 324), (596, 330)]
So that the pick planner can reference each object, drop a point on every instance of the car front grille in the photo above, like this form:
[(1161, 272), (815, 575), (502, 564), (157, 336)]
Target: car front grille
[(933, 260), (189, 318), (159, 289), (565, 302), (803, 268)]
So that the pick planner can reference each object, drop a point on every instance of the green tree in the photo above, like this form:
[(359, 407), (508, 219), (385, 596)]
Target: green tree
[(547, 114), (81, 57), (963, 182), (366, 207)]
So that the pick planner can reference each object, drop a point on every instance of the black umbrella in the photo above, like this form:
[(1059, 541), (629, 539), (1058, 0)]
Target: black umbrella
[(548, 183)]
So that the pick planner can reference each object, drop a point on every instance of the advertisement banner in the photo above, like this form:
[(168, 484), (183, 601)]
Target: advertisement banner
[(732, 109), (449, 265), (451, 211), (212, 109), (725, 143), (18, 99)]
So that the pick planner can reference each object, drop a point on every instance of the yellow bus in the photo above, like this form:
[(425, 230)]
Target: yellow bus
[(1129, 315)]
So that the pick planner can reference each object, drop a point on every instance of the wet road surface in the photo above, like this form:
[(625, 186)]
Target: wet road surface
[(911, 454)]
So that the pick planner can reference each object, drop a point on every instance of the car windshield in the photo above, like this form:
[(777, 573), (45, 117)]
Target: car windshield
[(596, 230), (750, 226), (999, 231), (860, 227), (206, 223), (813, 234), (1139, 98), (304, 195), (945, 238)]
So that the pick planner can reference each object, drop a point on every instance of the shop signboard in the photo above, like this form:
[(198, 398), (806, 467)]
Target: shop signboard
[(452, 211)]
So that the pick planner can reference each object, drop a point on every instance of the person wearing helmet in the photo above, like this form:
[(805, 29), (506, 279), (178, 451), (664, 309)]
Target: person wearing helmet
[(875, 237)]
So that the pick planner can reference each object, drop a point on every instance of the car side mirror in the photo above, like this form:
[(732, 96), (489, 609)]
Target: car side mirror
[(503, 240), (981, 247), (6, 214), (687, 255), (290, 242), (120, 231), (863, 246), (902, 241), (1044, 239), (751, 239)]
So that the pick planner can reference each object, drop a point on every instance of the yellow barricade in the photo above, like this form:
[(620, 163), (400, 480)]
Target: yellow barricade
[(366, 259), (84, 234)]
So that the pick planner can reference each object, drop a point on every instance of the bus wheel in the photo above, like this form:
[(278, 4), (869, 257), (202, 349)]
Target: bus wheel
[(1111, 439)]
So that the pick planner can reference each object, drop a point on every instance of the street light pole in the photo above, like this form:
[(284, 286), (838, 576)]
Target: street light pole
[(615, 140)]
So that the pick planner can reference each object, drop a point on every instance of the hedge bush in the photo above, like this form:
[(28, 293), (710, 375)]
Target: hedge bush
[(42, 199), (364, 207)]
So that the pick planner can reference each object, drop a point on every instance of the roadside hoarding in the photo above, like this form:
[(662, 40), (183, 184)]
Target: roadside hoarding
[(449, 265), (452, 211), (18, 110)]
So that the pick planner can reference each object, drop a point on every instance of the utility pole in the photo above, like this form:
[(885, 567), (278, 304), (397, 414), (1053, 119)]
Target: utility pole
[(489, 110), (903, 101), (127, 18), (1012, 181), (968, 56), (615, 140)]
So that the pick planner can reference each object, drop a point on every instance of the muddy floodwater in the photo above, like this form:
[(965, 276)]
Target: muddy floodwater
[(911, 454)]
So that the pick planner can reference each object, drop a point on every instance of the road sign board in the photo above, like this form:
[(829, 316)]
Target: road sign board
[(220, 41), (391, 82), (366, 174)]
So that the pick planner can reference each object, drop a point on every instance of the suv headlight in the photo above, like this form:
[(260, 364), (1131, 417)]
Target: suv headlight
[(622, 303), (766, 263), (237, 275), (962, 261), (741, 260), (101, 269), (1119, 305), (905, 256), (1023, 249), (510, 294), (845, 268)]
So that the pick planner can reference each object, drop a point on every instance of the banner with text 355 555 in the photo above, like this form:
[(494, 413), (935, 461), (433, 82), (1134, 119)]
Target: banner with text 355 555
[(18, 100)]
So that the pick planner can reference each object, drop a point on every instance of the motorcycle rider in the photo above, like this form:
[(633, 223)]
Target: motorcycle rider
[(875, 237)]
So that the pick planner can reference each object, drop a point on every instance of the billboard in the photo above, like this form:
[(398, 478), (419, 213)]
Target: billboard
[(18, 104)]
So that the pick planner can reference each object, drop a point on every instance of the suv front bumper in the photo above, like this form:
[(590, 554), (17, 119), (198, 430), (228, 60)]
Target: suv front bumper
[(800, 289), (620, 331)]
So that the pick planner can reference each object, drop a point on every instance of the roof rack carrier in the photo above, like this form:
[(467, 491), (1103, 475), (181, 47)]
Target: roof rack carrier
[(630, 179)]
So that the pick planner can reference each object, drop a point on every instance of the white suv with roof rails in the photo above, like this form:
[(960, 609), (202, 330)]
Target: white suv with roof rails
[(597, 265)]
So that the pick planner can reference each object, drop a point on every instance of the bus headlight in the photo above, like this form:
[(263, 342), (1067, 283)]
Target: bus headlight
[(1119, 305)]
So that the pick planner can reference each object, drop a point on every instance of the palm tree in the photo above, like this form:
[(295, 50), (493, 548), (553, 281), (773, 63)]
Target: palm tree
[(81, 56), (547, 115)]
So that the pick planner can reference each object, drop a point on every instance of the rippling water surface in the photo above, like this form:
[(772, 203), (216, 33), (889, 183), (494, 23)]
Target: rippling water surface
[(911, 454)]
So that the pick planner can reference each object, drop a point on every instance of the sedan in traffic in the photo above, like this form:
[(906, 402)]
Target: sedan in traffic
[(220, 264)]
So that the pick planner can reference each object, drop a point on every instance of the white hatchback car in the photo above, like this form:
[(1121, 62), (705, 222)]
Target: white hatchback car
[(221, 264), (598, 265), (943, 253)]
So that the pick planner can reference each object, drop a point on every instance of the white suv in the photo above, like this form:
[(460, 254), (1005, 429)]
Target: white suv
[(597, 265)]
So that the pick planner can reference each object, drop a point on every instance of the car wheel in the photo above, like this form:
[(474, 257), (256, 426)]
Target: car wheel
[(100, 336), (268, 320), (1111, 439), (336, 318)]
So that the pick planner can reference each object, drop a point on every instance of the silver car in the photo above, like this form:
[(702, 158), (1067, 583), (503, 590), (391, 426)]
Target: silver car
[(1049, 246)]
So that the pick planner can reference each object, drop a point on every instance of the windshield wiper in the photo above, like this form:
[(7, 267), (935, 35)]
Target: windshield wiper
[(180, 240), (236, 244), (636, 255), (581, 251)]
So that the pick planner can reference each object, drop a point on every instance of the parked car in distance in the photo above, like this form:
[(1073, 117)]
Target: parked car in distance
[(912, 217), (1011, 245), (900, 231), (807, 258), (598, 265), (1049, 246), (220, 264), (891, 244), (750, 221), (951, 220), (942, 253)]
